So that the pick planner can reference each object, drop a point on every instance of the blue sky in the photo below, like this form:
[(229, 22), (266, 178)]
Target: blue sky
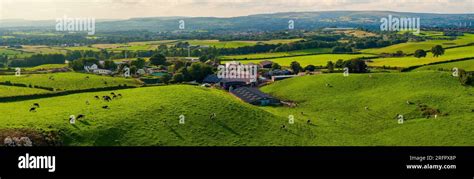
[(124, 9)]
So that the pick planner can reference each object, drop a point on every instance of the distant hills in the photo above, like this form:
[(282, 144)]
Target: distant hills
[(259, 22)]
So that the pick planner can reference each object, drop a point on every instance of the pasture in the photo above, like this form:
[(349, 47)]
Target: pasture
[(68, 81), (359, 110), (6, 91), (317, 60), (449, 54), (150, 117), (467, 65), (411, 47), (276, 54)]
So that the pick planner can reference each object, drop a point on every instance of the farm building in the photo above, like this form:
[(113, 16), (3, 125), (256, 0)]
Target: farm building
[(211, 79), (266, 64), (255, 96)]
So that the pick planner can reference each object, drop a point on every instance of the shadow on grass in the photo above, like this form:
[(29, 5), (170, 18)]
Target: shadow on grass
[(175, 132), (84, 122), (226, 127)]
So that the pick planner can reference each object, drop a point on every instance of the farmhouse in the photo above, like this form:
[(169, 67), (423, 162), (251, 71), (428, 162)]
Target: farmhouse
[(255, 96)]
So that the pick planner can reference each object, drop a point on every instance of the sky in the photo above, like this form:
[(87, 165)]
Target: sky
[(125, 9)]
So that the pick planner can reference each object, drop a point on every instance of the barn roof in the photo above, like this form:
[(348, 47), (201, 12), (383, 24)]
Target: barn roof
[(250, 95)]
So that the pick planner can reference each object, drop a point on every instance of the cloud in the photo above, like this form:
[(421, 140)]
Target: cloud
[(122, 9)]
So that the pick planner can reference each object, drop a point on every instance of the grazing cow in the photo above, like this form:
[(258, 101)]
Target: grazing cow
[(33, 109), (119, 95), (81, 116), (283, 127), (105, 107), (37, 105), (113, 94), (105, 82), (87, 77), (328, 85), (367, 108), (107, 98), (308, 122), (96, 97)]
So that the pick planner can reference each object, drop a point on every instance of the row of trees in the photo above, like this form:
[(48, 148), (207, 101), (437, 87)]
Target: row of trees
[(38, 59)]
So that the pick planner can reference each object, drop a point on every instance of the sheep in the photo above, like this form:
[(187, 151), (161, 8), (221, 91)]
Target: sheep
[(25, 141), (8, 141)]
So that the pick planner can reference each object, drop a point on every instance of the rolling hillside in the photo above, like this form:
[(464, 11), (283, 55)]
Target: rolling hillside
[(150, 117), (341, 118)]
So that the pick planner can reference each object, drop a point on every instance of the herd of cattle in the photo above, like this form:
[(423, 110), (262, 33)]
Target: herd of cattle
[(106, 98)]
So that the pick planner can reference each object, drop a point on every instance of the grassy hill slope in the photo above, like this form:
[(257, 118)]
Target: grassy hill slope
[(340, 117), (149, 117)]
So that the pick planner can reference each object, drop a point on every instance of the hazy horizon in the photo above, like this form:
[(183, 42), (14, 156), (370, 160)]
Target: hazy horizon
[(126, 9)]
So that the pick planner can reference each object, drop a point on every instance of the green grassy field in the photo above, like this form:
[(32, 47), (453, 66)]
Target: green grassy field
[(449, 54), (68, 81), (150, 117), (318, 60), (276, 54), (467, 65), (235, 44), (46, 67), (6, 91), (11, 53), (340, 117), (411, 47)]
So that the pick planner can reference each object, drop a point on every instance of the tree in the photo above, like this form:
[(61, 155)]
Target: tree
[(356, 66), (139, 63), (330, 66), (420, 53), (339, 63), (109, 64), (199, 71), (158, 59), (465, 78), (276, 66), (437, 50), (310, 68), (295, 67), (165, 78), (178, 78)]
